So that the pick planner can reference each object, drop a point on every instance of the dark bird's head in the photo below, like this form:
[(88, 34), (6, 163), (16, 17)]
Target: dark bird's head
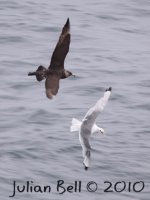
[(69, 73), (66, 74), (40, 73)]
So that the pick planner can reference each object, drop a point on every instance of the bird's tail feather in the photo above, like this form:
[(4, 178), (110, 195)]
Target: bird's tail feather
[(75, 125)]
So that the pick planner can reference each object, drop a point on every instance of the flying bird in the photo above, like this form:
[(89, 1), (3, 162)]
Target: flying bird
[(56, 70), (87, 126)]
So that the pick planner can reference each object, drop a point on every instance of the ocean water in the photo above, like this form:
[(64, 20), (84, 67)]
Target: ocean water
[(110, 46)]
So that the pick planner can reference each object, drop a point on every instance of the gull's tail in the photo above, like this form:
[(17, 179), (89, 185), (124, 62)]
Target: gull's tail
[(75, 125)]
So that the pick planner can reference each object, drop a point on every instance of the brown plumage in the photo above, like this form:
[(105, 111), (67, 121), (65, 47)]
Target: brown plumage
[(56, 70)]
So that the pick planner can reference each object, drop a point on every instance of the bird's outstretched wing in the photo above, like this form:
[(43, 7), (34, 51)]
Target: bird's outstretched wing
[(93, 112), (86, 161), (61, 49), (52, 85), (86, 148)]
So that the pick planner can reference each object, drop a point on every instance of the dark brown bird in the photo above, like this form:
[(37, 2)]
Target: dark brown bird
[(56, 70)]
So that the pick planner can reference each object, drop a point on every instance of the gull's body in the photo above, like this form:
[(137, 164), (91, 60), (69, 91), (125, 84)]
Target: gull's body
[(88, 126), (56, 70)]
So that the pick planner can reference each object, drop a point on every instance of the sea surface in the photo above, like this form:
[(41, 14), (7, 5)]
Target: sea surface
[(110, 46)]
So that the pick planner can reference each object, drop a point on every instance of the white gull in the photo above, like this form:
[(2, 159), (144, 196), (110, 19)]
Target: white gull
[(88, 126)]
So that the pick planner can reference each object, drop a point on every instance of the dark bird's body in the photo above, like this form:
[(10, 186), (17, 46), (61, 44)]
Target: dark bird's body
[(56, 70)]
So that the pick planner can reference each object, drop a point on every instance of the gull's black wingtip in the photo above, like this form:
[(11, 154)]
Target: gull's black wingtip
[(109, 89), (85, 167)]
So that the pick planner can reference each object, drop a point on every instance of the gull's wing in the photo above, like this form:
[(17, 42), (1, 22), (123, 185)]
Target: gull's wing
[(61, 49), (86, 161), (86, 148), (52, 85), (93, 112)]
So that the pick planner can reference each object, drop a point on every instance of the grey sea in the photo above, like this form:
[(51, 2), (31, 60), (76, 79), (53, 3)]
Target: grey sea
[(110, 46)]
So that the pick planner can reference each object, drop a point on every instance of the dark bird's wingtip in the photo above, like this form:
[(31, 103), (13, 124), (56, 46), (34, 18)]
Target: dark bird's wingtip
[(67, 22), (109, 89)]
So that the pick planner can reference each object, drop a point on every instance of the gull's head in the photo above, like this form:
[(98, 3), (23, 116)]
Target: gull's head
[(101, 131), (97, 129)]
